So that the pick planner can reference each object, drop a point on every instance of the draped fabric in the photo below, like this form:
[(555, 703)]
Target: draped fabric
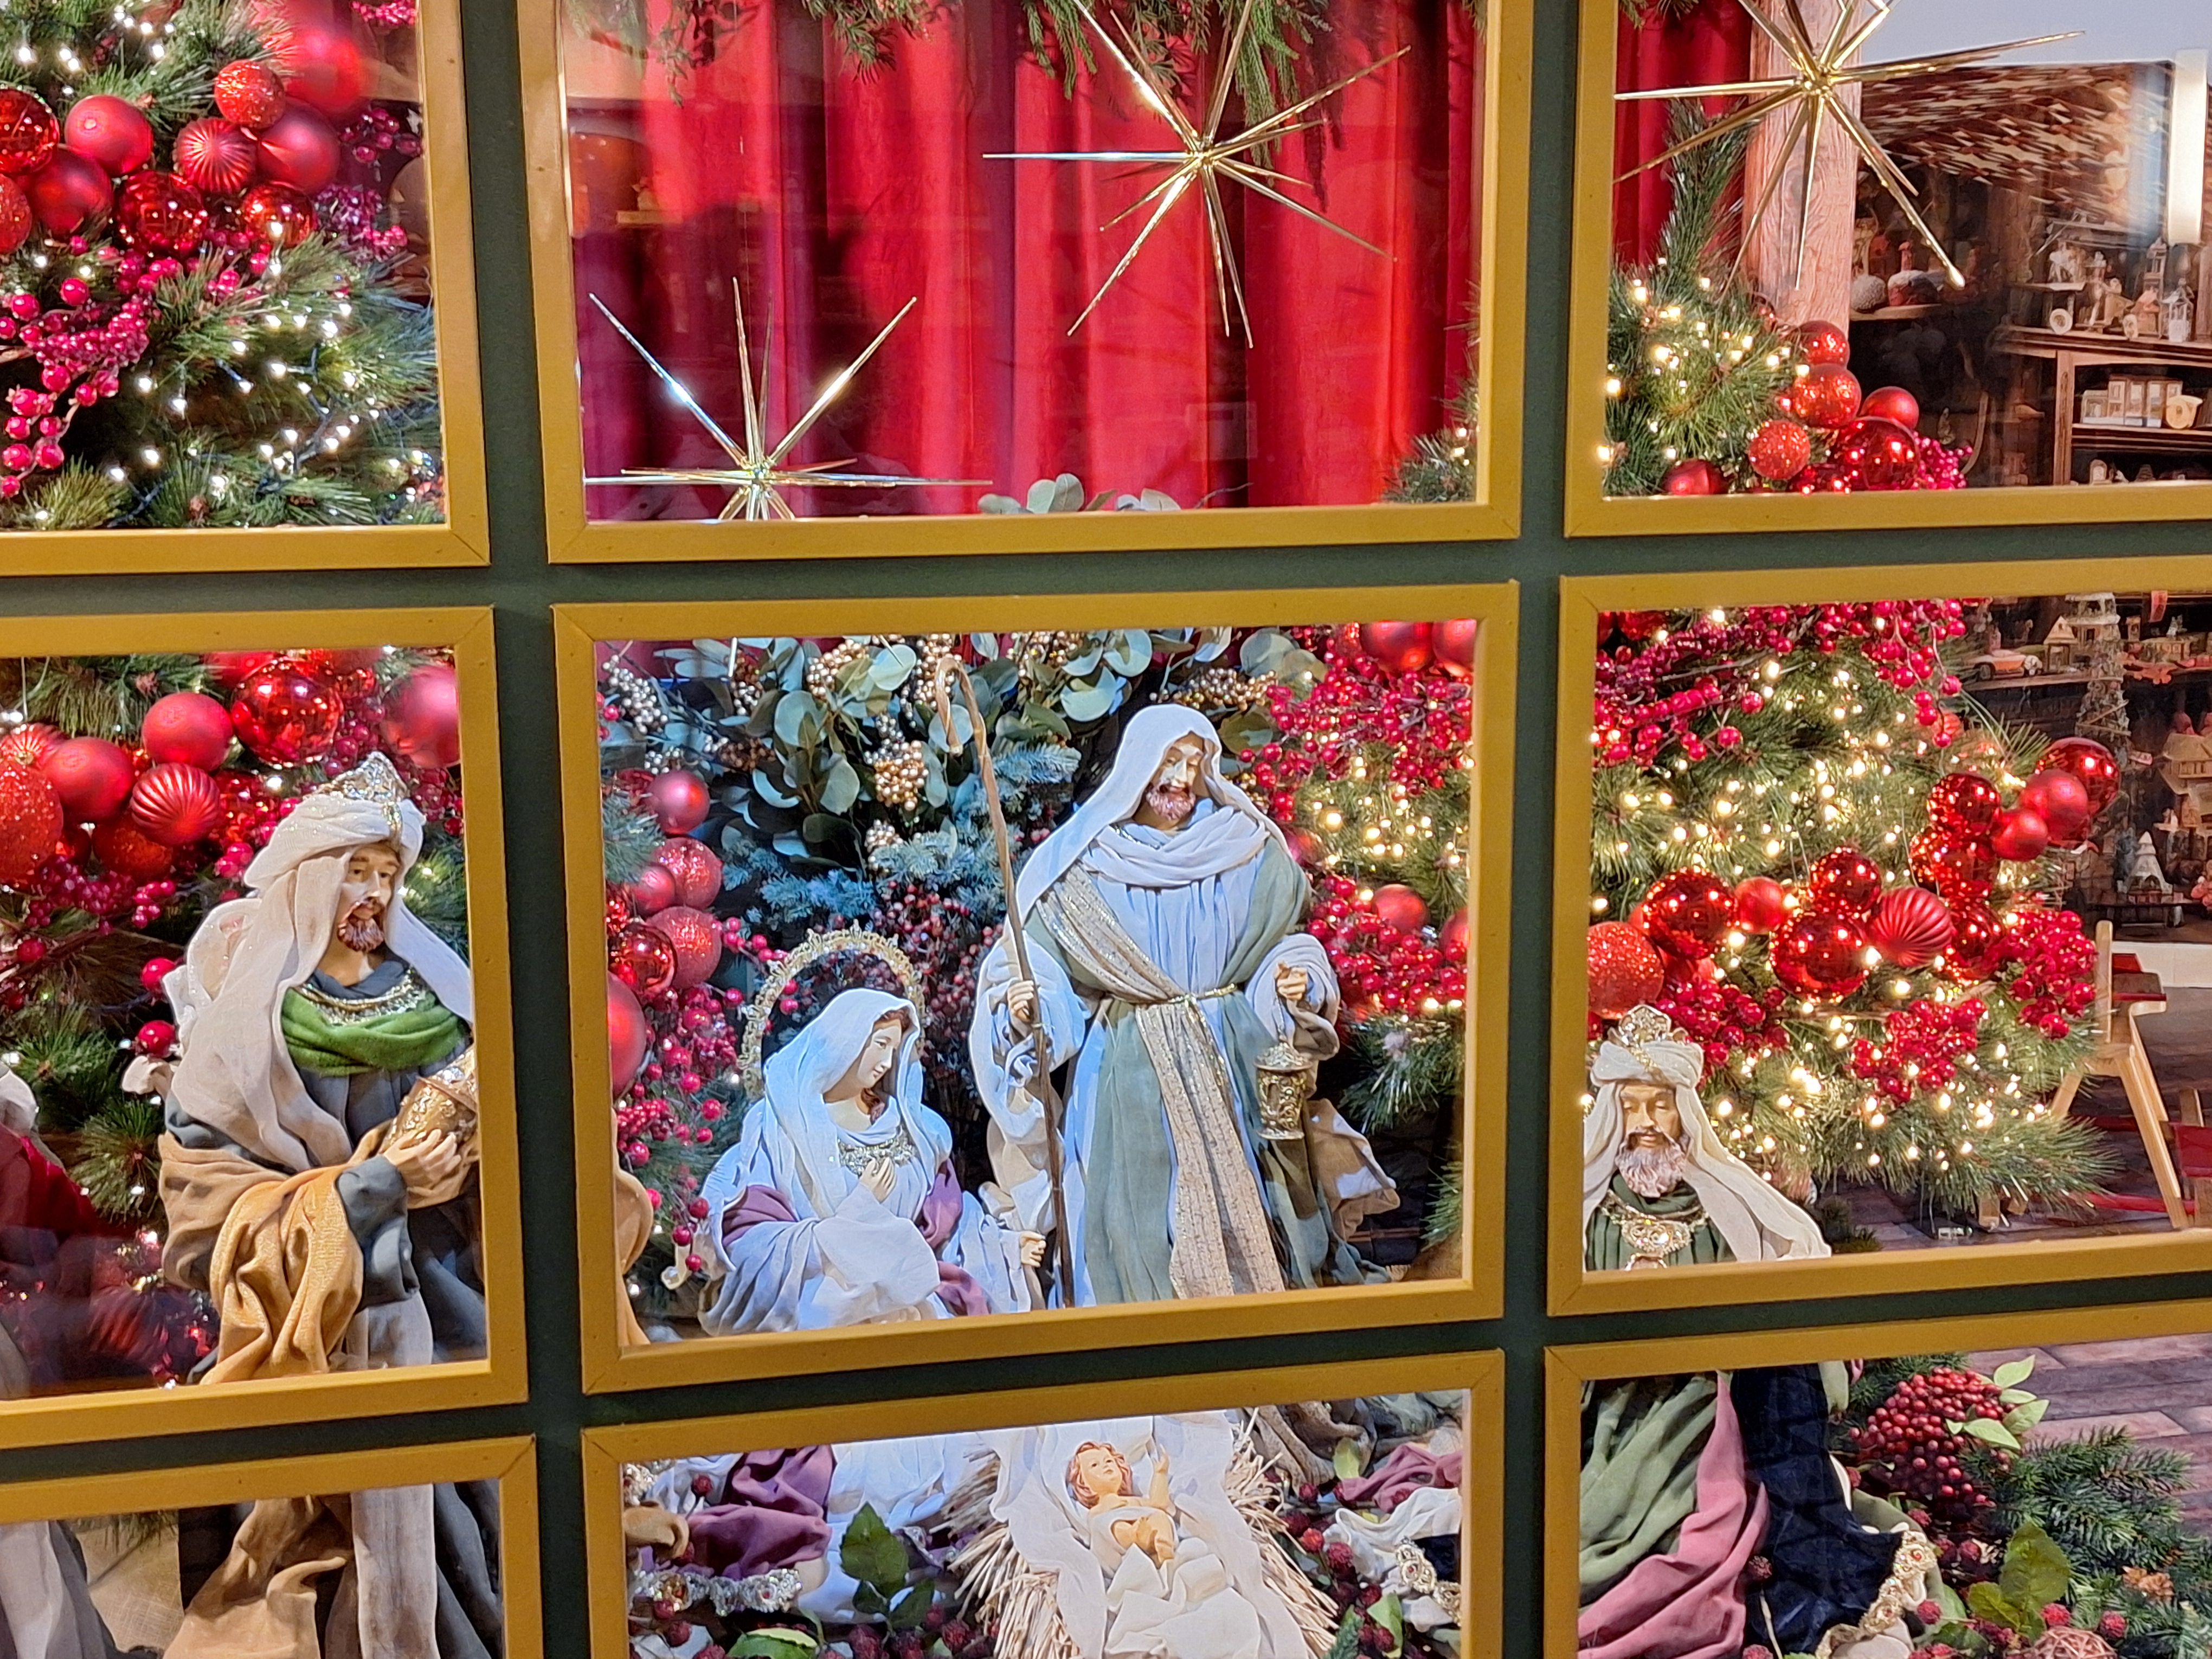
[(1709, 44), (837, 194)]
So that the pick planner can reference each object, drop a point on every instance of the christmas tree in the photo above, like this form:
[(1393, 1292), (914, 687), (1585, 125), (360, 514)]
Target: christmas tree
[(1802, 851)]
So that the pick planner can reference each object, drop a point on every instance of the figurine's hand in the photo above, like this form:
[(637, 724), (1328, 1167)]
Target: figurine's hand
[(881, 1176), (648, 1526), (1292, 984), (1032, 1249), (428, 1163), (1022, 1004)]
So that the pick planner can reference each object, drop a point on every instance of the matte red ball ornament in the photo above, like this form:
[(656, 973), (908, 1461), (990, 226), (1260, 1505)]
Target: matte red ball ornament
[(628, 1035), (1823, 343), (1892, 403), (30, 823), (694, 867), (28, 745), (697, 938), (28, 132), (1762, 904), (1826, 395), (279, 215), (642, 957), (654, 890), (1844, 882), (1976, 947), (1625, 969), (249, 94), (175, 805), (2061, 801), (1453, 643), (1819, 955), (1403, 647), (2021, 835), (111, 131), (323, 66), (1957, 868), (217, 156), (1965, 804), (422, 718), (1781, 449), (159, 213), (1910, 928), (1401, 908), (121, 846), (678, 800), (189, 727), (2089, 761), (1688, 914), (91, 776), (284, 714), (16, 219), (1876, 455), (69, 192), (1694, 476), (300, 149)]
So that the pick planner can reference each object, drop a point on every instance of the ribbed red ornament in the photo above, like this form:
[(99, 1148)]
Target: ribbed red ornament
[(215, 156), (1844, 882), (1965, 804), (1910, 928), (120, 848), (285, 715), (175, 805), (1819, 955), (30, 823), (27, 745), (697, 938), (697, 873), (1689, 913), (1625, 969)]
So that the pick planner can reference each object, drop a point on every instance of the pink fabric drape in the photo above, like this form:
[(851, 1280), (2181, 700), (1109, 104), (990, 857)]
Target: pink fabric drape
[(1707, 46), (837, 194)]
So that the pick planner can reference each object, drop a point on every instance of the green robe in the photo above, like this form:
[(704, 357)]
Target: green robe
[(1604, 1248)]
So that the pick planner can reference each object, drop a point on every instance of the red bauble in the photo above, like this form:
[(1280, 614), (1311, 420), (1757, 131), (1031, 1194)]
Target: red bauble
[(1892, 403), (1965, 804), (1823, 343), (1688, 914), (27, 745), (279, 215), (642, 957), (323, 66), (217, 156), (1403, 647), (422, 718), (1454, 644), (1910, 928), (248, 93), (1876, 455), (175, 805), (92, 776), (1452, 938), (124, 849), (112, 131), (300, 149), (1625, 969), (156, 1039), (1781, 449), (30, 823), (628, 1035), (2021, 835), (159, 213), (28, 132), (2089, 761), (284, 714), (694, 868), (1976, 947), (2061, 801), (1844, 882), (678, 800), (1694, 477), (654, 890), (16, 219), (69, 192), (1401, 908), (189, 727), (697, 938), (1760, 904), (1955, 867), (1819, 955), (1826, 395)]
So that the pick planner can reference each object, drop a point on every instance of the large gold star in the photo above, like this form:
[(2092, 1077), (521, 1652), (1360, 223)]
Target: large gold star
[(1204, 158), (1813, 93), (758, 471)]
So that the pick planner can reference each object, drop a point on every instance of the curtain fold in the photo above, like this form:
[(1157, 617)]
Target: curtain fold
[(1707, 46)]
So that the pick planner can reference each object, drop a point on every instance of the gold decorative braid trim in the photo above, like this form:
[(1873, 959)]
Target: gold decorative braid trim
[(1905, 1587), (810, 951), (1651, 1238), (404, 998)]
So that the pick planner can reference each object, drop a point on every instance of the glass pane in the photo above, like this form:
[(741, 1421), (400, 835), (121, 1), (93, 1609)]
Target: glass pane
[(234, 901), (1256, 1533), (1241, 858), (1995, 276), (1285, 291), (355, 1572)]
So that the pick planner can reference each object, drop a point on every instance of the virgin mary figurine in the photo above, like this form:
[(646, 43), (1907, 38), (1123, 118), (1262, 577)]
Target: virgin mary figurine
[(839, 1205)]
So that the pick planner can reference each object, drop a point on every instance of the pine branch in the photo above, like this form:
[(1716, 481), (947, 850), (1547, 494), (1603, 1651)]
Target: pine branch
[(629, 835), (120, 1159)]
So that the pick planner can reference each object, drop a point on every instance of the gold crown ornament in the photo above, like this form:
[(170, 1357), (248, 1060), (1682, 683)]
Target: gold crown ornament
[(374, 782)]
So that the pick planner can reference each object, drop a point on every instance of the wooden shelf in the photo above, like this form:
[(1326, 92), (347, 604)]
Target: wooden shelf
[(2189, 440)]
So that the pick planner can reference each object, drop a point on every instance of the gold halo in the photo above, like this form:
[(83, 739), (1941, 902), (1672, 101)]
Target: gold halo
[(837, 942)]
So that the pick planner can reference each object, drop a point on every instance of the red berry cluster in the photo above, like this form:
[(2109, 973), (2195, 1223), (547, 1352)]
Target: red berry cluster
[(1725, 1019), (1423, 720), (1380, 968), (1942, 467), (1922, 1045), (1331, 1566), (354, 215), (1653, 681), (1909, 1449), (942, 937), (2050, 967)]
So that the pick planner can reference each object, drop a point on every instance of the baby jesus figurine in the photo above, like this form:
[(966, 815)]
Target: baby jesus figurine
[(1169, 1595), (1099, 1478)]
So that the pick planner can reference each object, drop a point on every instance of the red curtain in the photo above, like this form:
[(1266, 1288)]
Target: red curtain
[(1705, 47), (837, 194)]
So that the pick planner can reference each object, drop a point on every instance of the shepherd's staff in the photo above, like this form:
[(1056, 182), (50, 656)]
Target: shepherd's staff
[(1048, 1098)]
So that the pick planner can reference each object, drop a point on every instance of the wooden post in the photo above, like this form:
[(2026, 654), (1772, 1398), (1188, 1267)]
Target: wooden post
[(1821, 289)]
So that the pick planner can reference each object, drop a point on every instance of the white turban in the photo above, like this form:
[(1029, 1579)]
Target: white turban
[(234, 1074), (1757, 1222)]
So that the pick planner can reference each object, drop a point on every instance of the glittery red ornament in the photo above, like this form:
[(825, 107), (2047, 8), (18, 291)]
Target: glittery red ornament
[(279, 215), (641, 955), (1976, 946), (1892, 403), (69, 192), (159, 213), (1688, 914), (1760, 904), (156, 1039), (2061, 801), (2089, 761), (1957, 867), (284, 714), (91, 776), (16, 219), (1453, 644), (1876, 455), (695, 869), (1819, 955), (323, 65), (217, 156), (628, 1035), (1625, 969), (28, 132), (1966, 803), (30, 823), (2021, 835), (1403, 647), (654, 890), (248, 93), (1823, 343), (28, 745), (300, 149), (1781, 449), (1845, 882), (1401, 908), (1826, 395), (678, 800), (1694, 477), (189, 727), (175, 805), (123, 848), (111, 131), (1910, 928), (697, 938), (422, 718)]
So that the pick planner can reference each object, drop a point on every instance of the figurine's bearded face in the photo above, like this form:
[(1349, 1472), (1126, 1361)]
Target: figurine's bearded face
[(372, 877), (1651, 1159), (1172, 795)]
